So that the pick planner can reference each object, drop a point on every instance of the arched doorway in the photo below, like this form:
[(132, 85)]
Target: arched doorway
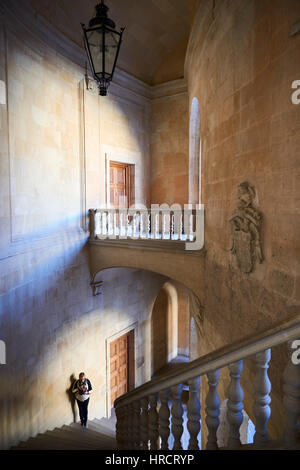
[(170, 327)]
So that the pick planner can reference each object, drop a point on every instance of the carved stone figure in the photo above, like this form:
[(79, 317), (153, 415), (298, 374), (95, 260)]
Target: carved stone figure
[(245, 226)]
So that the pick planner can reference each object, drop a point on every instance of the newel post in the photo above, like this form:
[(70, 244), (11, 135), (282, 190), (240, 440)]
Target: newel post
[(92, 223)]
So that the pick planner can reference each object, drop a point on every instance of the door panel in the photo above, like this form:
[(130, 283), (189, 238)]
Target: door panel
[(119, 185), (121, 365)]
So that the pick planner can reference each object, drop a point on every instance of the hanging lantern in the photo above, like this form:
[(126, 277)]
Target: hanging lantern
[(102, 43)]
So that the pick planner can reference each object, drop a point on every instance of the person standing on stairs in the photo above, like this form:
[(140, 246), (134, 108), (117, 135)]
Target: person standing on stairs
[(82, 389)]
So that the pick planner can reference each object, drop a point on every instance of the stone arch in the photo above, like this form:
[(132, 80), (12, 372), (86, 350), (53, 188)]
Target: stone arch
[(194, 154), (170, 326)]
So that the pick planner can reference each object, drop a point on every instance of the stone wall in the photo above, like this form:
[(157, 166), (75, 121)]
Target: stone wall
[(169, 150), (240, 65)]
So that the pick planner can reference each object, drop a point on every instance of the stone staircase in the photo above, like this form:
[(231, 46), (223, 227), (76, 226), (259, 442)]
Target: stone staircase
[(169, 406), (98, 436)]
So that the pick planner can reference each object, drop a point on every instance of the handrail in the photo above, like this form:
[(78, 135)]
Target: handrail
[(286, 331)]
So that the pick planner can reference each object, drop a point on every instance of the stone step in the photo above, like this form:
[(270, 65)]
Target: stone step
[(72, 437)]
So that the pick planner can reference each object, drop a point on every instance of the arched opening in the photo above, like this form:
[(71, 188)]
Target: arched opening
[(170, 327), (195, 154)]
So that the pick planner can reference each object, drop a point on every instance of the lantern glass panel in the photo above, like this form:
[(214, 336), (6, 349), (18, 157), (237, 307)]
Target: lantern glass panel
[(94, 38), (111, 49)]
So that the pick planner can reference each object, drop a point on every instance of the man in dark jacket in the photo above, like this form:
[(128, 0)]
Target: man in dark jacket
[(82, 389)]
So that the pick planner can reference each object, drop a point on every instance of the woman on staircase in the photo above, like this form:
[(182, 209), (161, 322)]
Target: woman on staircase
[(82, 389)]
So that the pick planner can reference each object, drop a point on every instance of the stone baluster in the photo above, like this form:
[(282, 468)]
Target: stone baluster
[(109, 223), (291, 400), (191, 227), (172, 230), (144, 424), (149, 225), (127, 225), (177, 413), (164, 418), (102, 224), (168, 225), (133, 225), (157, 225), (139, 225), (105, 223), (98, 228), (235, 405), (116, 230), (177, 225), (136, 424), (142, 224), (163, 225), (153, 422), (262, 400), (212, 409), (181, 227), (194, 417)]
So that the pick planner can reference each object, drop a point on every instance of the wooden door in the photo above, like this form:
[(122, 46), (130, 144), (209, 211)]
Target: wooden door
[(121, 365), (119, 185)]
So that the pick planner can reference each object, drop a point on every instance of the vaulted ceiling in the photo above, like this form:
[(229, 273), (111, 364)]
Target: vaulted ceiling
[(156, 33)]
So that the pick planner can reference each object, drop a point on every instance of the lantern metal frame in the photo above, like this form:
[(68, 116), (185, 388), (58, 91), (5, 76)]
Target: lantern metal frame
[(104, 26)]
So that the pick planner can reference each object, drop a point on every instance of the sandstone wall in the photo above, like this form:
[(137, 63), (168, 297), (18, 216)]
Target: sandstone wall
[(240, 65), (169, 150)]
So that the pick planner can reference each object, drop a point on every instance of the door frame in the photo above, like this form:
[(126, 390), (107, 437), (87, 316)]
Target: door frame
[(133, 327)]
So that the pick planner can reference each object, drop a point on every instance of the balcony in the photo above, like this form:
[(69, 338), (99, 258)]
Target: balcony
[(168, 241)]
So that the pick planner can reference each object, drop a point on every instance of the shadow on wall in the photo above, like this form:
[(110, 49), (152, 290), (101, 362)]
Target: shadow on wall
[(71, 397)]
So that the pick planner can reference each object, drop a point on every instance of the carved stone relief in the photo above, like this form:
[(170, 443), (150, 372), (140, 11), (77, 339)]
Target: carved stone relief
[(245, 225)]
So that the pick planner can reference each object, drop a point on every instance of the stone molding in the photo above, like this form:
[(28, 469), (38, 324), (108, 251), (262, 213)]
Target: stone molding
[(149, 245)]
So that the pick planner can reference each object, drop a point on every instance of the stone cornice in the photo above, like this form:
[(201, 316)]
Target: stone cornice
[(175, 87), (22, 12)]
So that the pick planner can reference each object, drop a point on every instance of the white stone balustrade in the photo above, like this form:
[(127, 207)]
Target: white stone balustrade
[(148, 415), (158, 224)]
